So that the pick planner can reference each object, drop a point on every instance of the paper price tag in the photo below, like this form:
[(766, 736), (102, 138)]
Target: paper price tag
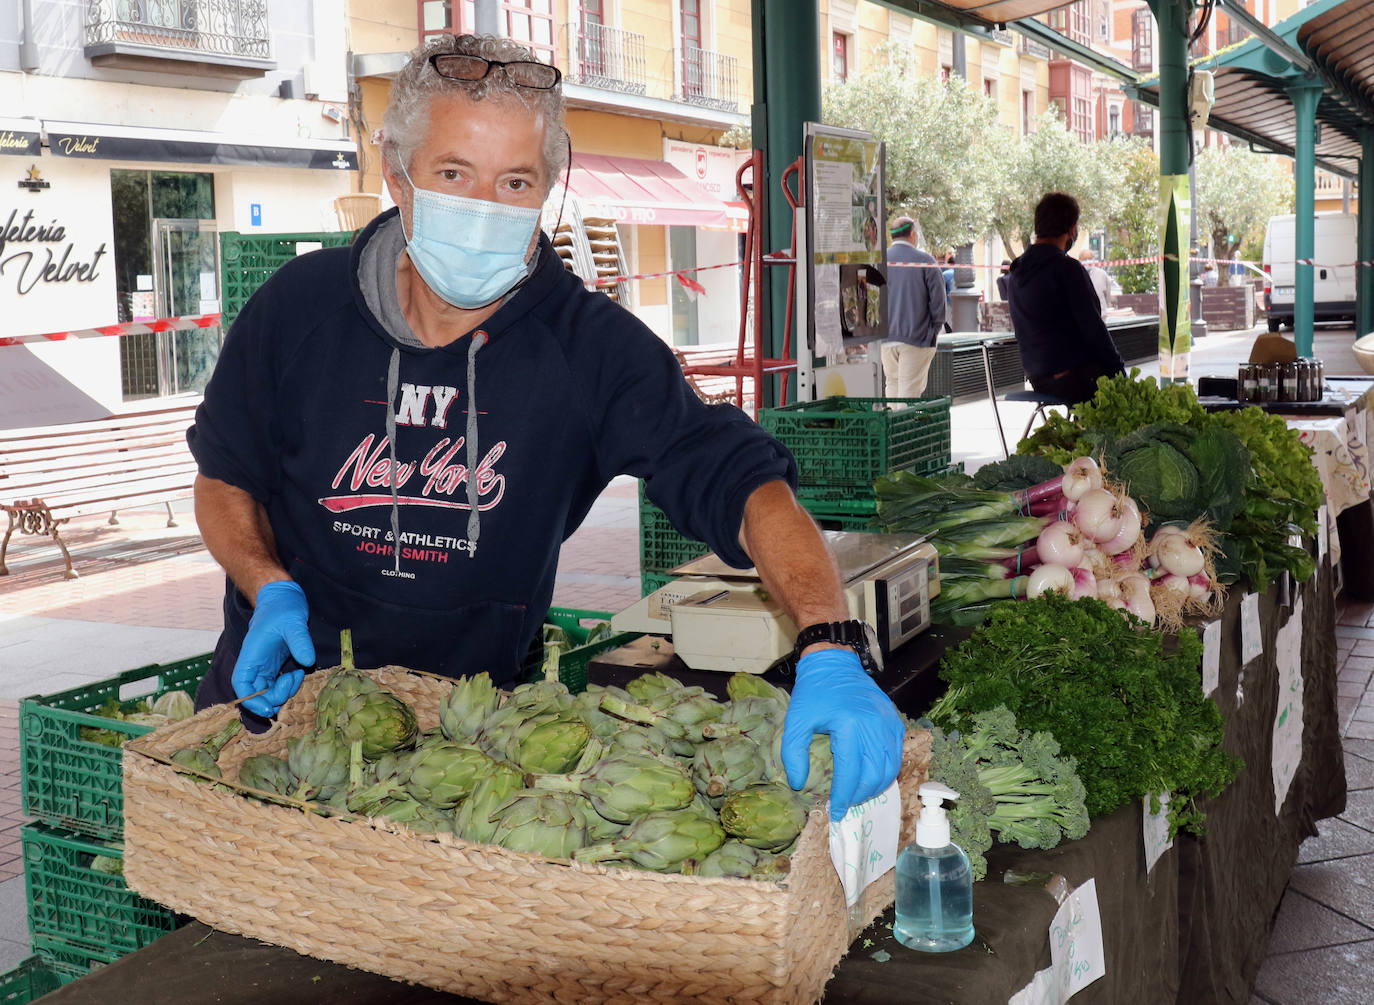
[(863, 845), (1156, 831), (1075, 949), (1211, 657), (1323, 531), (1251, 635), (1287, 737), (1076, 941)]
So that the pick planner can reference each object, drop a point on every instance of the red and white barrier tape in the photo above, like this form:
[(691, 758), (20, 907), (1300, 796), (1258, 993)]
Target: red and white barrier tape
[(126, 328)]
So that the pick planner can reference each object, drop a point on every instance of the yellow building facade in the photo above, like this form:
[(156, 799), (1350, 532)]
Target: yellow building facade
[(655, 80)]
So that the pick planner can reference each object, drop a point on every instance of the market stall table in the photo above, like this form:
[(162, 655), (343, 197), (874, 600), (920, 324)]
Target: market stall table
[(1194, 928)]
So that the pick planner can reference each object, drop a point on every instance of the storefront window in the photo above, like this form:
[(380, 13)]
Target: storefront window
[(166, 263)]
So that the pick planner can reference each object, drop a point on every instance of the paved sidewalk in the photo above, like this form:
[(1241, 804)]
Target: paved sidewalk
[(150, 594)]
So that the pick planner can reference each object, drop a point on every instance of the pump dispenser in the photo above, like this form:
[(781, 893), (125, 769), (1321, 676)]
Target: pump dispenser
[(934, 881)]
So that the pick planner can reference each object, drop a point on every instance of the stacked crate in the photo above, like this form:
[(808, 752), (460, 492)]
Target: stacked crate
[(81, 912)]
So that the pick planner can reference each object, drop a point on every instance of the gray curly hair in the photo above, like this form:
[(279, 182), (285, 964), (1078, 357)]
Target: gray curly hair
[(405, 123)]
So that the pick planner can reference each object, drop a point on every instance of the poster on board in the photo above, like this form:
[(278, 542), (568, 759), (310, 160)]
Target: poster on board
[(846, 218)]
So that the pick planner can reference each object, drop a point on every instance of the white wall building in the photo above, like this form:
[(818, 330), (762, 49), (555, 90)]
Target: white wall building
[(135, 132)]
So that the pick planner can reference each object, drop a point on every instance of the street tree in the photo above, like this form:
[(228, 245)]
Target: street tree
[(1237, 192), (940, 136), (1051, 159), (1133, 230)]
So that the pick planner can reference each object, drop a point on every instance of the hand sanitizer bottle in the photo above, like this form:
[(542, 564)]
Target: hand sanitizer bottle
[(934, 882)]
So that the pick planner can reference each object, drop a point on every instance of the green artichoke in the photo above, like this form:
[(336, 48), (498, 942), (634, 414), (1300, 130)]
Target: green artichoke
[(466, 706), (443, 773), (765, 815), (382, 721), (204, 756), (754, 717), (586, 705), (737, 860), (338, 690), (473, 821), (724, 766), (660, 841), (268, 774), (651, 685), (818, 776), (542, 696), (623, 786), (748, 685), (544, 823), (549, 742), (318, 763)]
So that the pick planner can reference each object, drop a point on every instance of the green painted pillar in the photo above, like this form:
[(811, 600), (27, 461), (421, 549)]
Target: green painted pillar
[(787, 93), (1175, 332), (1364, 273), (1304, 94)]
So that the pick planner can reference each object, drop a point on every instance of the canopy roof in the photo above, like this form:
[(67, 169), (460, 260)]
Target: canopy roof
[(1330, 43)]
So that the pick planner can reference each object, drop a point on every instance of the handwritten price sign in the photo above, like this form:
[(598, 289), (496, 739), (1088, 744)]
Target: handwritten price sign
[(863, 846), (1075, 949)]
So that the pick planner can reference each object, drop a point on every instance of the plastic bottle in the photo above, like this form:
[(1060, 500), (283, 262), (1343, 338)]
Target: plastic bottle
[(934, 882)]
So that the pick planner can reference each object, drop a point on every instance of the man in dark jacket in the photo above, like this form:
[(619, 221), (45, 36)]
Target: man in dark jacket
[(916, 312), (1054, 310), (399, 436)]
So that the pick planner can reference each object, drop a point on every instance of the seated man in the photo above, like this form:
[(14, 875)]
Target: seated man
[(1054, 310)]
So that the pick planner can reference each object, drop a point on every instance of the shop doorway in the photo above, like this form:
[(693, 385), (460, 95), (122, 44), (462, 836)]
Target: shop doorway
[(682, 253), (166, 265)]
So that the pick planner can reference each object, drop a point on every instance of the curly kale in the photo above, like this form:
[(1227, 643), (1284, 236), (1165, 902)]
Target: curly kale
[(1127, 709), (1019, 471), (1014, 783)]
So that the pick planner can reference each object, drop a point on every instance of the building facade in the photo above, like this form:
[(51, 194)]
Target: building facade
[(137, 132)]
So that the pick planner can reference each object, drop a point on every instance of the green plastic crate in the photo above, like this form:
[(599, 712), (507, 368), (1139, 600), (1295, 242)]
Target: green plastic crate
[(247, 260), (81, 907), (77, 784), (661, 547), (64, 962), (572, 665), (843, 444), (651, 581), (31, 979)]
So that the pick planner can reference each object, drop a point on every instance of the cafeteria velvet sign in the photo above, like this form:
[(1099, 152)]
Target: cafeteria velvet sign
[(34, 252)]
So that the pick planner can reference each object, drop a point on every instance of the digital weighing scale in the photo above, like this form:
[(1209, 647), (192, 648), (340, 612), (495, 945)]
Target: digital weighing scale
[(722, 618)]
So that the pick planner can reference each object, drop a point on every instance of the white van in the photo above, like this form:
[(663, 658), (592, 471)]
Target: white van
[(1333, 276)]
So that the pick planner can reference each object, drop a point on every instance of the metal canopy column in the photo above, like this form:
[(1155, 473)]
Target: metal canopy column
[(1174, 331), (787, 93), (1304, 94), (1364, 272)]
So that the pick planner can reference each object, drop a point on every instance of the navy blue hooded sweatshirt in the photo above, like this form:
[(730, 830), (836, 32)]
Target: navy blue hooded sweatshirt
[(1056, 315), (570, 390)]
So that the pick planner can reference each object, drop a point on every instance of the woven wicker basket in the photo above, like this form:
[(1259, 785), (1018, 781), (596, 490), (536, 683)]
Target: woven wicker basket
[(475, 919)]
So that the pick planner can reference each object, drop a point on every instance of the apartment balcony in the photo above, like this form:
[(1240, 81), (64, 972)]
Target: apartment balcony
[(220, 38), (709, 79), (604, 57), (1030, 47)]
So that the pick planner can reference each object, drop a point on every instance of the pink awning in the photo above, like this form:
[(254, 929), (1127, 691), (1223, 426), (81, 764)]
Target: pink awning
[(647, 193)]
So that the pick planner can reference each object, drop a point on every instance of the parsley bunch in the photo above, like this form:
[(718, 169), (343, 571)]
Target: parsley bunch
[(1127, 708)]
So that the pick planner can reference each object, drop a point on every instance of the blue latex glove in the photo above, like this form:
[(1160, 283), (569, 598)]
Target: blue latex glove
[(834, 695), (278, 630)]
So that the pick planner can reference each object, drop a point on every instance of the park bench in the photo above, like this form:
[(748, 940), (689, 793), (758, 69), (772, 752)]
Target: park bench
[(50, 474)]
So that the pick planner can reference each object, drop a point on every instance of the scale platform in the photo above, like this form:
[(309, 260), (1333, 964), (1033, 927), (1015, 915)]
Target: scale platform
[(722, 618)]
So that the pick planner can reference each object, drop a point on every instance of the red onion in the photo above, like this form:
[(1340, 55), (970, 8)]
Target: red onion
[(1060, 544), (1081, 476), (1050, 577), (1178, 555), (1098, 515)]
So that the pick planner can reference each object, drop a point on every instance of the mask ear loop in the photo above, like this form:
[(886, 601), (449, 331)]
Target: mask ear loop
[(567, 177)]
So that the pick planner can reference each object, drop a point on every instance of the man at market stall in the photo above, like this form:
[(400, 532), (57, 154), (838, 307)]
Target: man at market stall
[(1059, 329), (916, 312), (398, 436)]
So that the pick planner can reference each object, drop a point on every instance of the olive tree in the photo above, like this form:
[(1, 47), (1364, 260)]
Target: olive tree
[(941, 139), (1237, 192)]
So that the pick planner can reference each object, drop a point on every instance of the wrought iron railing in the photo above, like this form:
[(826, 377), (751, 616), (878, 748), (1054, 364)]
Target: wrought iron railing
[(606, 57), (213, 27), (709, 78)]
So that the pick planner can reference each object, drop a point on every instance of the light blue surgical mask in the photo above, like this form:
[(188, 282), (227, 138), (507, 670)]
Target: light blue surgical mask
[(469, 251)]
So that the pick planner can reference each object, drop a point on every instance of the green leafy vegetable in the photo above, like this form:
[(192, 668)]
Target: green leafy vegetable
[(1011, 782), (1019, 471), (1129, 710)]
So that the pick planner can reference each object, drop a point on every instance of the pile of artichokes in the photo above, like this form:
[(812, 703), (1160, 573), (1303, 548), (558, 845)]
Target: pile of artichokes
[(656, 775)]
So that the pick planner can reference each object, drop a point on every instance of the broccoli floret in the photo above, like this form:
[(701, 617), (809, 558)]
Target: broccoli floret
[(951, 765), (1011, 782)]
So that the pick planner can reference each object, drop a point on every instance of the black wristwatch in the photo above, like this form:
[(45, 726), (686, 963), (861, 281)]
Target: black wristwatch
[(857, 635)]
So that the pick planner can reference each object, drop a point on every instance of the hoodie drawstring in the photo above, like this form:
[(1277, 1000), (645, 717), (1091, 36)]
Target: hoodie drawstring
[(479, 339), (393, 381)]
